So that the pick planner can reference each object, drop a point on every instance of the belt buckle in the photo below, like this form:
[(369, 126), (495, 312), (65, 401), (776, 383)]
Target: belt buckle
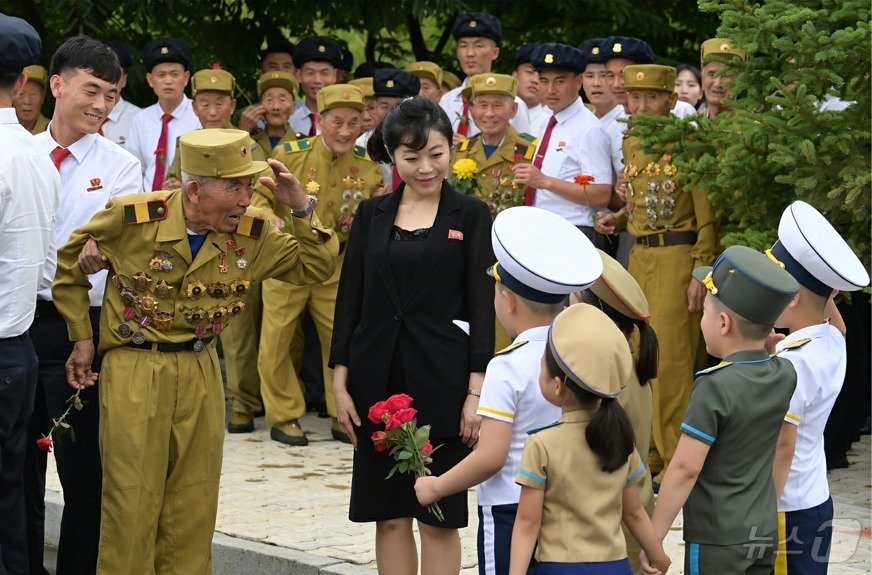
[(199, 345)]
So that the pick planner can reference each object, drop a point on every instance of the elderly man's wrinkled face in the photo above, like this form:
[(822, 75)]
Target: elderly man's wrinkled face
[(28, 103), (217, 204)]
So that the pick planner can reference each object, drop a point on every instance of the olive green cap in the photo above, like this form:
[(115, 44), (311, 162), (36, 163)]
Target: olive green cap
[(214, 80), (365, 85), (218, 153), (754, 286), (591, 350), (491, 84), (450, 80), (36, 73), (340, 96), (619, 290), (649, 77), (430, 70), (719, 47), (276, 80)]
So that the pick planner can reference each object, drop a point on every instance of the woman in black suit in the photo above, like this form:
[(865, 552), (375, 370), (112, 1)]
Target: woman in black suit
[(415, 262)]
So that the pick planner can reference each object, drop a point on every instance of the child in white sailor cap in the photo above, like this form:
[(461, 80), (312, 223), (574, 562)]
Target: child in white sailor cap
[(819, 259), (541, 258)]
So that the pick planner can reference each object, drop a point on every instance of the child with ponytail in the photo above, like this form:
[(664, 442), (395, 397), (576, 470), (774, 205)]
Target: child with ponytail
[(579, 476)]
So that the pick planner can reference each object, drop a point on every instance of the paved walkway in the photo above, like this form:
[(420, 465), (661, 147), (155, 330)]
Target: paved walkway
[(296, 498)]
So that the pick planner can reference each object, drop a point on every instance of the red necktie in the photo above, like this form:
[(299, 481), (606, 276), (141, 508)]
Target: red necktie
[(59, 155), (463, 126), (312, 131), (530, 193), (161, 154)]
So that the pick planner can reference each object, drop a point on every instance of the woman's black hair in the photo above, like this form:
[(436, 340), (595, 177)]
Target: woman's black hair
[(609, 434), (408, 124), (83, 52), (646, 361), (696, 74)]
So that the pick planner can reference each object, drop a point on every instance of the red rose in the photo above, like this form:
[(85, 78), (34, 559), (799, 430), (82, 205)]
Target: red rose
[(398, 401), (427, 448), (378, 411), (406, 414), (379, 441), (45, 443)]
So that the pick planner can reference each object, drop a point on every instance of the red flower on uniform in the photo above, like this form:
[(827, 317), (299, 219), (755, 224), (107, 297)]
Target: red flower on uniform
[(666, 158), (45, 443)]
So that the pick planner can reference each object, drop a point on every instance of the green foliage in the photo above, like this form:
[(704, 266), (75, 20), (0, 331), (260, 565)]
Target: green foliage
[(777, 145)]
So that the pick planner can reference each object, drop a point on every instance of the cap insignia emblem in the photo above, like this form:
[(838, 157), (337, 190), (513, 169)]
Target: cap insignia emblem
[(389, 83), (640, 76), (549, 58), (164, 50), (617, 48), (725, 47), (594, 50), (491, 81), (213, 79), (321, 48), (345, 95), (473, 23), (243, 151)]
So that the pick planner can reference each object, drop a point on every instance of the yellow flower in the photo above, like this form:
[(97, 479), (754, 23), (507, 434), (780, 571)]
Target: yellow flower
[(465, 169), (312, 187)]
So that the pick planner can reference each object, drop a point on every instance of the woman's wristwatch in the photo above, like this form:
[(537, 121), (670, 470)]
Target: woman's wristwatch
[(313, 201)]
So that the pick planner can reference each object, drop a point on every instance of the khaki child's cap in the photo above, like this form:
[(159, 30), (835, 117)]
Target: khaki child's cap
[(430, 70), (36, 73), (277, 80), (749, 283), (340, 96), (719, 47), (619, 290), (213, 80), (591, 350), (365, 85), (218, 153), (491, 84), (649, 77), (450, 80)]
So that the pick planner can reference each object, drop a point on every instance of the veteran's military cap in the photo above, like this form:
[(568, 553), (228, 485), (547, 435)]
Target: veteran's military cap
[(559, 57), (164, 50), (269, 80), (591, 350), (367, 69), (450, 80), (524, 55), (317, 49), (619, 290), (218, 153), (477, 25), (488, 83), (749, 283), (339, 96), (638, 51), (19, 45), (122, 50), (365, 85), (213, 79), (592, 51), (719, 47), (36, 73), (649, 77), (541, 256), (815, 254), (395, 83), (429, 70)]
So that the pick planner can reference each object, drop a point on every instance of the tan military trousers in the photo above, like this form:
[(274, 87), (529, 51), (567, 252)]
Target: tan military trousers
[(664, 274), (240, 341), (161, 441), (283, 305)]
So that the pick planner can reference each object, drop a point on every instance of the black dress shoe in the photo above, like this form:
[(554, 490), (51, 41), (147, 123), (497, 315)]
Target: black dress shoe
[(837, 461)]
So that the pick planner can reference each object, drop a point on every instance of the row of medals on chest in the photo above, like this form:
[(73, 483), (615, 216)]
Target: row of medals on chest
[(351, 196), (658, 194), (505, 193), (143, 294)]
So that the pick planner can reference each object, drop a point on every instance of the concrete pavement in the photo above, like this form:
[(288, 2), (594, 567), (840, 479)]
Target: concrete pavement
[(285, 510)]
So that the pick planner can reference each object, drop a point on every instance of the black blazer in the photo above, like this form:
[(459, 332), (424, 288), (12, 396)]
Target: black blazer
[(450, 283)]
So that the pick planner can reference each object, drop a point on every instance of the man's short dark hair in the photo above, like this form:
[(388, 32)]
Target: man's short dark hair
[(7, 82), (85, 53), (279, 47)]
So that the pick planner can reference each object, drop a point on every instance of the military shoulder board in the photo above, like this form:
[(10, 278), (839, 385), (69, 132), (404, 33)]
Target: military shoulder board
[(143, 212), (250, 226), (466, 144), (794, 345), (721, 365), (512, 347), (297, 146), (360, 152)]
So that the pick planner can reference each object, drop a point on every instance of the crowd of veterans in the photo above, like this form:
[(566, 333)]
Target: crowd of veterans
[(334, 241)]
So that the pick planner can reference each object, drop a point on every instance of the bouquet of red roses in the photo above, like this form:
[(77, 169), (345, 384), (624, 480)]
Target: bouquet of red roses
[(402, 439)]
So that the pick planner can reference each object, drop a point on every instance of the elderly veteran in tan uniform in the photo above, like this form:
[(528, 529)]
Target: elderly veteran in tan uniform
[(28, 102), (714, 55), (675, 231), (277, 102), (181, 264), (430, 76), (341, 175), (368, 118)]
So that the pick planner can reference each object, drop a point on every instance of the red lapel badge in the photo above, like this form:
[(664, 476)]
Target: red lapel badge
[(455, 235), (95, 185)]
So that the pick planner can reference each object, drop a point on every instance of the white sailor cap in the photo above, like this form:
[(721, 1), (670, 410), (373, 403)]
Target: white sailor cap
[(541, 256), (815, 254)]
